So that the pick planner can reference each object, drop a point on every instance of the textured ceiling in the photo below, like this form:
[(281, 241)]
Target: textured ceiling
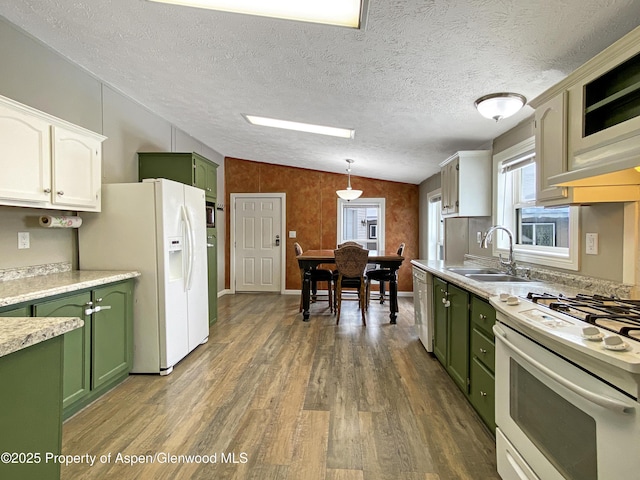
[(406, 84)]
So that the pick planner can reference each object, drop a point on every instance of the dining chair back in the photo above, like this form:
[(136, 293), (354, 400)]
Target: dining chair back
[(351, 261), (316, 275), (380, 275)]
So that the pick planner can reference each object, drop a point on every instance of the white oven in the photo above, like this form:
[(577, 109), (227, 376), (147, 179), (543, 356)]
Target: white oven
[(554, 419)]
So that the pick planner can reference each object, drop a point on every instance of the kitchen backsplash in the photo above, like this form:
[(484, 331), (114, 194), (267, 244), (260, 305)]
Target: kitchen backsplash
[(33, 271), (581, 282)]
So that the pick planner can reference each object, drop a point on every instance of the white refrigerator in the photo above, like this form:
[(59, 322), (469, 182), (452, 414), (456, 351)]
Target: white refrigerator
[(158, 228)]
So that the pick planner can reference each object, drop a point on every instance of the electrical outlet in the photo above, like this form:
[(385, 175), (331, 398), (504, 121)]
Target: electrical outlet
[(592, 244), (23, 240), (479, 237)]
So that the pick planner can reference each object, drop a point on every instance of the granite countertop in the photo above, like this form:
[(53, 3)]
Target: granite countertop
[(489, 289), (17, 333), (27, 289)]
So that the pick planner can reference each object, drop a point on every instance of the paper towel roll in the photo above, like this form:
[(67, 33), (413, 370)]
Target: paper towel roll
[(49, 221)]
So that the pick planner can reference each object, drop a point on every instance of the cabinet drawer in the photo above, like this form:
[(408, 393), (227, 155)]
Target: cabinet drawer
[(482, 394), (483, 349), (483, 315)]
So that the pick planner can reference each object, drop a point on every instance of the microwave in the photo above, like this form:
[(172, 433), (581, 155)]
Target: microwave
[(210, 211)]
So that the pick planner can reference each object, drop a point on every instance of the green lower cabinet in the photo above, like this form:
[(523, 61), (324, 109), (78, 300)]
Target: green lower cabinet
[(482, 393), (16, 312), (451, 330), (464, 343), (483, 359), (111, 333), (440, 314), (31, 410), (458, 337), (100, 354), (77, 344)]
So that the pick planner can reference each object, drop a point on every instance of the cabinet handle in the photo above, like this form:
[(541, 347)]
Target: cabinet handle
[(447, 303), (47, 190), (483, 317), (60, 192), (483, 350), (483, 394), (101, 307)]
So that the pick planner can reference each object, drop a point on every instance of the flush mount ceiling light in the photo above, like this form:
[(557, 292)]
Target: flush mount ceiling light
[(344, 13), (300, 127), (500, 105), (349, 193)]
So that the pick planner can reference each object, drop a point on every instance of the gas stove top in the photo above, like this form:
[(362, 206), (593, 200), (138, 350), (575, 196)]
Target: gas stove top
[(599, 334), (610, 313)]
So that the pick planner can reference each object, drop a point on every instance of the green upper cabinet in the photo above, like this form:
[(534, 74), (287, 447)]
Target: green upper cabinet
[(212, 272), (189, 168)]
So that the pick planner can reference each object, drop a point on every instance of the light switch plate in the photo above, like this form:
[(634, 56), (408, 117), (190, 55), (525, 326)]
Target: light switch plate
[(592, 244), (292, 234), (23, 240)]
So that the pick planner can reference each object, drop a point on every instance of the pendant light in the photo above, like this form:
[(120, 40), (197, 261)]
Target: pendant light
[(500, 105), (349, 193)]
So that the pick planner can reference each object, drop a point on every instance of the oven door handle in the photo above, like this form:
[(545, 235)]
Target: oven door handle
[(603, 401)]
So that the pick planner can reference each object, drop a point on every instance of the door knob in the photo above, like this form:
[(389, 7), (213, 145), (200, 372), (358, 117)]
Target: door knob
[(277, 240)]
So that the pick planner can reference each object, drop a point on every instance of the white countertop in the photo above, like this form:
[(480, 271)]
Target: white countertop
[(17, 333), (27, 289), (490, 289)]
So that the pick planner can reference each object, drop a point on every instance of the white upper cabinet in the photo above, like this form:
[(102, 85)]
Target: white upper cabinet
[(47, 162), (466, 184), (588, 130), (604, 109), (24, 147), (76, 169), (551, 149)]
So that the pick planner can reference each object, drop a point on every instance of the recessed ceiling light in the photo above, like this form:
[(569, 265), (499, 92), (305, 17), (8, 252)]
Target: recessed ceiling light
[(345, 13), (300, 127)]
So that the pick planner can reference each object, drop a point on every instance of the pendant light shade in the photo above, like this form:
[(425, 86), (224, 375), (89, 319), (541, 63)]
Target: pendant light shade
[(500, 105), (349, 193)]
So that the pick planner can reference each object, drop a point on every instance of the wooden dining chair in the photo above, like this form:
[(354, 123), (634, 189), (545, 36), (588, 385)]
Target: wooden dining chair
[(350, 242), (351, 260), (380, 275), (317, 275)]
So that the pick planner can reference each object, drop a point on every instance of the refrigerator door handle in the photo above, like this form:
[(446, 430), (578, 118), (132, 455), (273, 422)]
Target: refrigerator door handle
[(190, 242), (187, 228)]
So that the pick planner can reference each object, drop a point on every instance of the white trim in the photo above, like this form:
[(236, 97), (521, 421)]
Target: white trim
[(283, 229), (631, 246), (226, 291), (432, 249), (532, 254), (379, 202)]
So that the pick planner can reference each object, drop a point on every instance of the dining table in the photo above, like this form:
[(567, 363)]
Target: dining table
[(310, 259)]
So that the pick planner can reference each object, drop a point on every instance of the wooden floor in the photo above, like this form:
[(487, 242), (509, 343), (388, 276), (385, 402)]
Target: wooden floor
[(272, 397)]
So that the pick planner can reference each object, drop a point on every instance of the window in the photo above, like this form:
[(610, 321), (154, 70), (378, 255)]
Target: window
[(436, 226), (362, 221), (546, 236)]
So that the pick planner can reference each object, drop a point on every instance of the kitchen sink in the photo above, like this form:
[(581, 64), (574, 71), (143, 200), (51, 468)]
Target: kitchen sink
[(495, 277), (473, 271)]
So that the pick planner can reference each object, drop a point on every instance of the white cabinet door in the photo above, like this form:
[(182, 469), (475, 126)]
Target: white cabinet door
[(449, 183), (25, 160), (76, 169), (551, 148)]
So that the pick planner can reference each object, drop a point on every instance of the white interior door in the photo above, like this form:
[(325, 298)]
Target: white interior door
[(259, 242)]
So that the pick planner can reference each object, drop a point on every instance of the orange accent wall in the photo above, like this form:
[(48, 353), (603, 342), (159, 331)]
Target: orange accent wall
[(312, 209)]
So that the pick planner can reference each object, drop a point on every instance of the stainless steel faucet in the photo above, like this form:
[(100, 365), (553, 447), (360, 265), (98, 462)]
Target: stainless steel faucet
[(510, 263)]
